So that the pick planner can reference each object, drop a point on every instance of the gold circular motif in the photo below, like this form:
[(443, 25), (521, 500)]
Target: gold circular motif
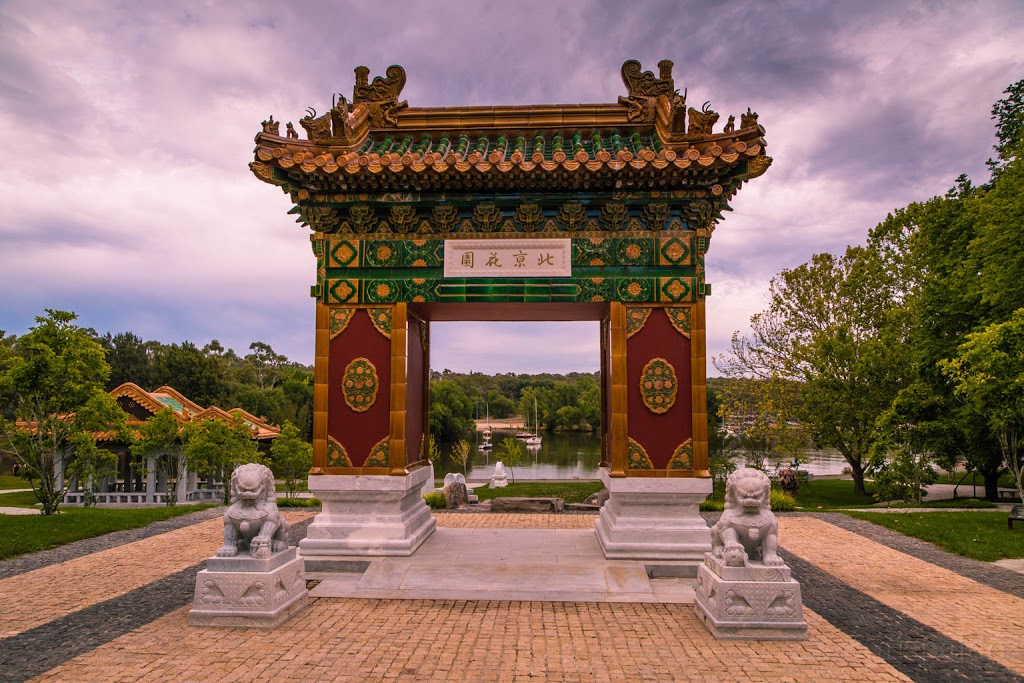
[(658, 385), (360, 384)]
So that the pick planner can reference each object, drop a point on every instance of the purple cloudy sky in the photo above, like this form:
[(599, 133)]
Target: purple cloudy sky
[(128, 126)]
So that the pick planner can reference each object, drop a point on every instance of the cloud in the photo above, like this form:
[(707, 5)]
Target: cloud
[(128, 129)]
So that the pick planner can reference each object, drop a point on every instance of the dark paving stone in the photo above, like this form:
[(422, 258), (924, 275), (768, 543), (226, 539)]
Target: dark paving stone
[(35, 651), (913, 648), (88, 546), (982, 572)]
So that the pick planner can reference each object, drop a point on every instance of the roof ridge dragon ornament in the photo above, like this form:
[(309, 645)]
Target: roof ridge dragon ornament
[(381, 95)]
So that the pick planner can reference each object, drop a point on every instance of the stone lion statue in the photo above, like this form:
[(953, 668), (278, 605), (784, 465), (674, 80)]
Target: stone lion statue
[(253, 522), (747, 530)]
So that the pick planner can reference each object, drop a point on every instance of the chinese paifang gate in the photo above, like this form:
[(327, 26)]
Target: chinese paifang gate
[(550, 212)]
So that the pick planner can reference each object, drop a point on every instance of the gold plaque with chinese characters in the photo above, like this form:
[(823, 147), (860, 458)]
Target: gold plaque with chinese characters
[(508, 258)]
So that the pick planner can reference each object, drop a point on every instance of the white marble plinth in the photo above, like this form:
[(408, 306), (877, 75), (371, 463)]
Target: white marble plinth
[(369, 515), (428, 483), (653, 518), (240, 592), (767, 608)]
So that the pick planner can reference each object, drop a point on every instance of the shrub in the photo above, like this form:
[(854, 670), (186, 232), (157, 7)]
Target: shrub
[(436, 501), (712, 505), (298, 503), (782, 502), (788, 481)]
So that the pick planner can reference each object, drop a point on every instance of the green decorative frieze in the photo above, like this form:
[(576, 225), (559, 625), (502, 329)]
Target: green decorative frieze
[(664, 268)]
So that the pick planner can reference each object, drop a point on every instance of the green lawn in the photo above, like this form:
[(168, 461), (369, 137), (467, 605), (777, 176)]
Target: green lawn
[(31, 533), (979, 535), (23, 499), (570, 491), (9, 482), (823, 494)]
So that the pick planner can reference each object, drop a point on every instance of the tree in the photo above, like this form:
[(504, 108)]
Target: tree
[(837, 327), (162, 438), (988, 373), (266, 364), (129, 359), (54, 386), (511, 454), (451, 411), (764, 413), (190, 371), (291, 456), (1008, 113), (460, 453), (90, 464), (216, 448)]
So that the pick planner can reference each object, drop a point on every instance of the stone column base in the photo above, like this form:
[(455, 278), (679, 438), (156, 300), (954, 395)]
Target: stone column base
[(368, 515), (649, 518), (749, 603), (240, 592)]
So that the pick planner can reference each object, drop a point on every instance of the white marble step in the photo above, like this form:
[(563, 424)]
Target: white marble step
[(551, 565)]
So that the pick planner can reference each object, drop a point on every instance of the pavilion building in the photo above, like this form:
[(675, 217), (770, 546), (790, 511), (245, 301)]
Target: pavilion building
[(135, 483)]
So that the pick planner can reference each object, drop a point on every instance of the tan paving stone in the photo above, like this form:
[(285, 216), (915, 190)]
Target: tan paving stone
[(39, 596), (375, 640), (515, 521), (982, 618)]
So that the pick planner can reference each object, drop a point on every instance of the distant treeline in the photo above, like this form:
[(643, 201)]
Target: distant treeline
[(569, 402)]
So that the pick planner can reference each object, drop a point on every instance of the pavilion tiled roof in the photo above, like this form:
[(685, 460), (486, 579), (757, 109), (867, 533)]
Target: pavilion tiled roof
[(186, 410)]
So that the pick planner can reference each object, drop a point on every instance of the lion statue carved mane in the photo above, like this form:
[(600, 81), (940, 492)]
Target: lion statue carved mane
[(253, 522), (747, 530)]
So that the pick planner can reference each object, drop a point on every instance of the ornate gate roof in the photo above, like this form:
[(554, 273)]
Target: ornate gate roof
[(639, 183)]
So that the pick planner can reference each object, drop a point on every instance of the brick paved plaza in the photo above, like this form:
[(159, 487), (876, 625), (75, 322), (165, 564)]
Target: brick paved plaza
[(880, 607)]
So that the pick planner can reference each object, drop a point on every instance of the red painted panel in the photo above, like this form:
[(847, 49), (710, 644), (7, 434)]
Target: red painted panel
[(359, 432), (659, 434), (414, 392)]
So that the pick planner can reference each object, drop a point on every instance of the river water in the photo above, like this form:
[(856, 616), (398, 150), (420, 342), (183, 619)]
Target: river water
[(576, 456)]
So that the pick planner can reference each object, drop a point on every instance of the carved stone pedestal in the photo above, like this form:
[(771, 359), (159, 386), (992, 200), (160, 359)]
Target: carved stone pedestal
[(241, 592), (753, 602), (648, 518), (367, 515)]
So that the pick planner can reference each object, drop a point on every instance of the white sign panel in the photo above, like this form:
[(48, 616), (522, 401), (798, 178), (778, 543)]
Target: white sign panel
[(508, 258)]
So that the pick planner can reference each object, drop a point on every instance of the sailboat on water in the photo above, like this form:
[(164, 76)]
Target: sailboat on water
[(486, 445), (534, 439)]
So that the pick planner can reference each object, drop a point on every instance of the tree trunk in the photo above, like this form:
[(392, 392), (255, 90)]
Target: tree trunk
[(858, 478), (991, 485)]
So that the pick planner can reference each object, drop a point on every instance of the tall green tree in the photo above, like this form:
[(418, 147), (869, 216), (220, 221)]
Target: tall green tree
[(1008, 113), (90, 465), (837, 328), (266, 364), (291, 457), (988, 372), (162, 438), (451, 411), (965, 261), (129, 359), (54, 387), (216, 448), (191, 371)]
